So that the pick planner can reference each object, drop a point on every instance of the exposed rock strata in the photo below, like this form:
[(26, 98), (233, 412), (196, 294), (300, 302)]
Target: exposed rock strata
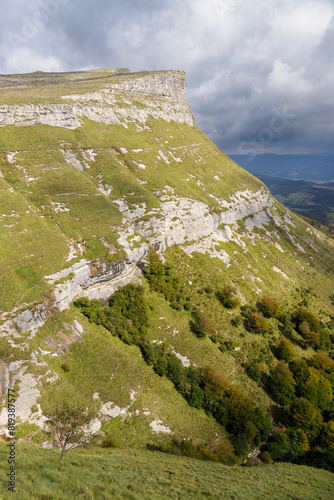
[(167, 102), (165, 83), (188, 223)]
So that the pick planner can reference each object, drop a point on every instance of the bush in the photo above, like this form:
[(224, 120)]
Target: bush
[(227, 297), (236, 321), (108, 442), (256, 323), (266, 457), (269, 307), (201, 325), (303, 316)]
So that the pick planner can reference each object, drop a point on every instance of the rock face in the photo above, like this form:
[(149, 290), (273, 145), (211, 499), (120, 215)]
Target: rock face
[(168, 102), (4, 379), (166, 84)]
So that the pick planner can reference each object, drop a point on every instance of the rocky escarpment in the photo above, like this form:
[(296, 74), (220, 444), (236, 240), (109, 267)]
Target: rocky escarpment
[(170, 84), (188, 223), (165, 89)]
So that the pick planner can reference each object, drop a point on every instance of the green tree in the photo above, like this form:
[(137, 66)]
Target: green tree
[(201, 324), (322, 361), (299, 443), (282, 384), (285, 350), (279, 445), (66, 424), (299, 368), (317, 389), (304, 416), (303, 316), (155, 266)]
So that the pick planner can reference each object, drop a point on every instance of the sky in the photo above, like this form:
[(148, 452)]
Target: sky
[(260, 73)]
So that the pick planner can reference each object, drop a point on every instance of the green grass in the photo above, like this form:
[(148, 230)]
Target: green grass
[(66, 205), (128, 474), (102, 364)]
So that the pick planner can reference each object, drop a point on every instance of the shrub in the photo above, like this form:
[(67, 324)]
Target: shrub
[(108, 442), (266, 457), (256, 323), (303, 316), (227, 297), (201, 325), (269, 307), (236, 321)]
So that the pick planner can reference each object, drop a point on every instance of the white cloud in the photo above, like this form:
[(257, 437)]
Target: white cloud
[(242, 58), (285, 81), (26, 59)]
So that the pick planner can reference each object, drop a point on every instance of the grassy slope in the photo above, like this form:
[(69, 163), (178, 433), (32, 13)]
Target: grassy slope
[(128, 474), (43, 179), (99, 356), (102, 364)]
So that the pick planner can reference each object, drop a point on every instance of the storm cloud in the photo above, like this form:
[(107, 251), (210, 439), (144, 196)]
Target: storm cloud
[(260, 74)]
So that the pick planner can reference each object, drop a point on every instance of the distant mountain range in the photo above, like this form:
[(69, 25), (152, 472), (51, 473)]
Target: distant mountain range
[(309, 167)]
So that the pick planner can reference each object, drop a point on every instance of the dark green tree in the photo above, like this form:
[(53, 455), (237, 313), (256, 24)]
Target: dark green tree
[(282, 384), (285, 350), (304, 416)]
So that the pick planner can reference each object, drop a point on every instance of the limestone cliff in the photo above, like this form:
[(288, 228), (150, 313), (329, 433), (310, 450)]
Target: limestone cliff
[(166, 88), (96, 168)]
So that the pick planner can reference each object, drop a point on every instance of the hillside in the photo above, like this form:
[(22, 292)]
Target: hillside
[(123, 474), (97, 169)]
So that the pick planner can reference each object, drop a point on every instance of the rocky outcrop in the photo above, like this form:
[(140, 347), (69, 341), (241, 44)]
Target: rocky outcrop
[(95, 280), (192, 224), (164, 83), (168, 103), (4, 379)]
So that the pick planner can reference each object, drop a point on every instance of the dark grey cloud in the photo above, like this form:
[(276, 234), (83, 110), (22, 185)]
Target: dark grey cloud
[(260, 75)]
